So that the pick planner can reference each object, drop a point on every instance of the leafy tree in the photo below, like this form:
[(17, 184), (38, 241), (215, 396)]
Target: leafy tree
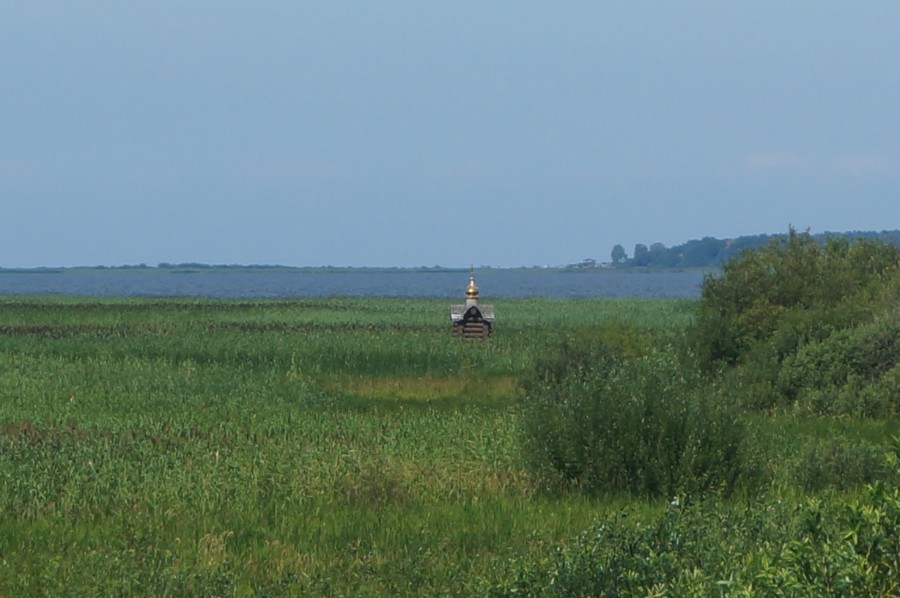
[(618, 255), (713, 252), (662, 256), (705, 252), (641, 255)]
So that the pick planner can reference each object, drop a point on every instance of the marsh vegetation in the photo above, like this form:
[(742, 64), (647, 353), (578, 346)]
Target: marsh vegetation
[(349, 446)]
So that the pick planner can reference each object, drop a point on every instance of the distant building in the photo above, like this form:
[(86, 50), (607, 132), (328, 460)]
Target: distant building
[(472, 321)]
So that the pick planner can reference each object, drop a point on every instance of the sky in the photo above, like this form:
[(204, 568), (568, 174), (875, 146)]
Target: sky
[(503, 133)]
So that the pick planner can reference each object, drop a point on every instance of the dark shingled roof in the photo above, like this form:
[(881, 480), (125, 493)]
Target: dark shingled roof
[(457, 312)]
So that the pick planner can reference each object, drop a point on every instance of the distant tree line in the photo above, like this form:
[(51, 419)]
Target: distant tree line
[(710, 252)]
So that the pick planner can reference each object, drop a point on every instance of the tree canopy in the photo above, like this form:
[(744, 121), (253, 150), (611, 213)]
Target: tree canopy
[(710, 252)]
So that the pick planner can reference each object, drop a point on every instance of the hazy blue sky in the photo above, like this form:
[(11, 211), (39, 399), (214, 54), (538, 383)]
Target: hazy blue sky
[(425, 133)]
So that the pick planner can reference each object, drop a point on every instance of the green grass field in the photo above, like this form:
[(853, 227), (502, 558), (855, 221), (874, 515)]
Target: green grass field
[(337, 446)]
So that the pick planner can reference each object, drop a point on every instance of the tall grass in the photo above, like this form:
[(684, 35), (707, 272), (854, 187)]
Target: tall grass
[(339, 446), (343, 446)]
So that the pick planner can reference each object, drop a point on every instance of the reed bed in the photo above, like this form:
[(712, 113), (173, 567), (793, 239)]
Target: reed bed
[(340, 446), (337, 446)]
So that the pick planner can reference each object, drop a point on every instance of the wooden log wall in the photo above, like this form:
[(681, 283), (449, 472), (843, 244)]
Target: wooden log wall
[(472, 330)]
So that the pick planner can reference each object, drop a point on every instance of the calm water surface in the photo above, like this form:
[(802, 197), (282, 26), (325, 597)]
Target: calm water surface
[(303, 283)]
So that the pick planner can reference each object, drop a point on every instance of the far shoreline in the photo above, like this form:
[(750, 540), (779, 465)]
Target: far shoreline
[(201, 268)]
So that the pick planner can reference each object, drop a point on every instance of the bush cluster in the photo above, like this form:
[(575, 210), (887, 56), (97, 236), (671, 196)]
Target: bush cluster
[(806, 325), (797, 327), (835, 548), (797, 324), (620, 414)]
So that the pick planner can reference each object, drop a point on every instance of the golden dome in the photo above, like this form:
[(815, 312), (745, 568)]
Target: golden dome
[(472, 290)]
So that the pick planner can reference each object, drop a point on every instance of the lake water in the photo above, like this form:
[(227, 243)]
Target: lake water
[(278, 283)]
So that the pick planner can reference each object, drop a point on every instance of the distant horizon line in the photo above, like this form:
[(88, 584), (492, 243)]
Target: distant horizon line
[(213, 266), (599, 264)]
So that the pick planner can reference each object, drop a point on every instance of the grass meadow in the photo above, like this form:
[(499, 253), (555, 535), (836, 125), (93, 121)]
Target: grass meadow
[(340, 446)]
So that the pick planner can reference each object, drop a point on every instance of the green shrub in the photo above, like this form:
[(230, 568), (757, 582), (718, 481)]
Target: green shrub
[(759, 294), (836, 548), (601, 422), (804, 325), (838, 463), (846, 373)]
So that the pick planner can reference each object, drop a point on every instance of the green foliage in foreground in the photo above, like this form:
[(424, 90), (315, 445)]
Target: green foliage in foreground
[(352, 447), (816, 548), (334, 446), (632, 410)]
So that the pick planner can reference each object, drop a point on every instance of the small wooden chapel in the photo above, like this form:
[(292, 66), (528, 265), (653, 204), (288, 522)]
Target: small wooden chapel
[(470, 320)]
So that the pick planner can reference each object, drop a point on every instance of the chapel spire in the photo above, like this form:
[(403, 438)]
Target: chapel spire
[(472, 320), (471, 290)]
